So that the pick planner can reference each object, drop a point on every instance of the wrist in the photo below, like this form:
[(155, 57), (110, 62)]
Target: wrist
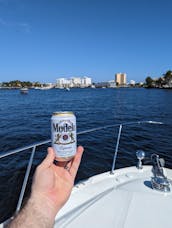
[(43, 205), (38, 212)]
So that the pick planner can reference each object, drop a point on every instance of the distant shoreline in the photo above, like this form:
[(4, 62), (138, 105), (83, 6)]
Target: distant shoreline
[(128, 87)]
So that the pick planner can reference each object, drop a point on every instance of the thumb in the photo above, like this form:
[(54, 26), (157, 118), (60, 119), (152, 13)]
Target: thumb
[(48, 161)]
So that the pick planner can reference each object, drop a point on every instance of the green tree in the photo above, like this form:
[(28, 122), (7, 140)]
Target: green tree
[(15, 83), (26, 84), (149, 82), (168, 76), (37, 84), (160, 82)]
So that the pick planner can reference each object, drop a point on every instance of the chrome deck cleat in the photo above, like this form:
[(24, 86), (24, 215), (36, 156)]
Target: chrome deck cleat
[(159, 181)]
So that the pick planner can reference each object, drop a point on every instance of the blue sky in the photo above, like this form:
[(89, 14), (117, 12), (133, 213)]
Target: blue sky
[(42, 40)]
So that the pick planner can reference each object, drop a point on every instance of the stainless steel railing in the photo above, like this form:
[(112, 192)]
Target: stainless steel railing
[(35, 145)]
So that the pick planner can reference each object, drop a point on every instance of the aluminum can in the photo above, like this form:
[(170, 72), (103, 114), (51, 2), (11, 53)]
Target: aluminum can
[(63, 135)]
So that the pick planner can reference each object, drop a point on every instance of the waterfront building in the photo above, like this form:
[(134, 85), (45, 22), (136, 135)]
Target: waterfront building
[(86, 82), (76, 82), (62, 82), (132, 82), (49, 85), (102, 84), (112, 84), (121, 79)]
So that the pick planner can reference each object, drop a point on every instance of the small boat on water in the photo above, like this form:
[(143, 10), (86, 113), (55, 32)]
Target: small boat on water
[(43, 88), (24, 90), (134, 197)]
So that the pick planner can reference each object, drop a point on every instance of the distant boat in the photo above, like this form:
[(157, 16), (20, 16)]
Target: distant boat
[(44, 87), (24, 90), (68, 89)]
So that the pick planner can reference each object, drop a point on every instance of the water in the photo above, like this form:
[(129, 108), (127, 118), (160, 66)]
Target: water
[(25, 119)]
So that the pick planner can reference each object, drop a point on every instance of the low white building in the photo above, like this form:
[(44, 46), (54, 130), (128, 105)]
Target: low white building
[(132, 82), (112, 84), (49, 85), (62, 83), (74, 82), (86, 82)]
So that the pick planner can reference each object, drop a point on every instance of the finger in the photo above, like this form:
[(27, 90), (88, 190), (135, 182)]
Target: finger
[(76, 161), (63, 163), (48, 161)]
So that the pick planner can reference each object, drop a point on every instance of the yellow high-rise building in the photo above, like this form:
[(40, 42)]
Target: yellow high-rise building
[(121, 79)]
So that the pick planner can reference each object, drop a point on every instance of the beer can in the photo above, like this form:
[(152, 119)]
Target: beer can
[(63, 135)]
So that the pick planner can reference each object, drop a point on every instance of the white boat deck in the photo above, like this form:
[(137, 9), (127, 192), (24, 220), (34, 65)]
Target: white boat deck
[(124, 199)]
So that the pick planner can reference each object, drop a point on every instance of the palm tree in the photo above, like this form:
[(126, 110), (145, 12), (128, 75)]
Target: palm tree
[(160, 82), (168, 77), (149, 82)]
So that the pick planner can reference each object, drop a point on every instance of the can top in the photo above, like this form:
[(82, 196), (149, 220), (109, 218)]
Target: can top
[(65, 113)]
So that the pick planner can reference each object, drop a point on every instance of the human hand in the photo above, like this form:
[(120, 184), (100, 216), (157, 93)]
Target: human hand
[(51, 188), (53, 183)]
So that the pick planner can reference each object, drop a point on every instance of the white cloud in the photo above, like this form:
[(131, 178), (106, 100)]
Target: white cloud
[(21, 26)]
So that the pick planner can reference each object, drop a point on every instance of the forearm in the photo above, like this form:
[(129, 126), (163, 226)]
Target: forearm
[(37, 213)]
